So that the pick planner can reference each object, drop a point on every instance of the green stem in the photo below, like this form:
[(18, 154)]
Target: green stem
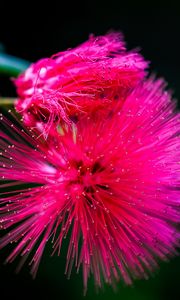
[(7, 101), (11, 65)]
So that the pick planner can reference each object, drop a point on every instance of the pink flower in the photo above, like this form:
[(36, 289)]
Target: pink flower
[(113, 183), (78, 81)]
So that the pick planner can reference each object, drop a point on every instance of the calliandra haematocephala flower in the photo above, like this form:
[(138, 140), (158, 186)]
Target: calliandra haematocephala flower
[(114, 185), (78, 81)]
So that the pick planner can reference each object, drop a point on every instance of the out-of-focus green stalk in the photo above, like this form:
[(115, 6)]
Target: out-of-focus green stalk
[(12, 66), (7, 101)]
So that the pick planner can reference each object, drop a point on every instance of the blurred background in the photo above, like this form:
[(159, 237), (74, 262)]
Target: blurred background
[(32, 31)]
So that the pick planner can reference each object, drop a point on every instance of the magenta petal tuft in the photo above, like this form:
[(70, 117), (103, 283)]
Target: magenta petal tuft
[(114, 185), (78, 81)]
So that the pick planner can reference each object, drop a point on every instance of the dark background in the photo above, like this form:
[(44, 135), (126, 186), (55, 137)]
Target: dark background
[(33, 32)]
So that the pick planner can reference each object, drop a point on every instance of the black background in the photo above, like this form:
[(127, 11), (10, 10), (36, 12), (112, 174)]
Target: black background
[(32, 31)]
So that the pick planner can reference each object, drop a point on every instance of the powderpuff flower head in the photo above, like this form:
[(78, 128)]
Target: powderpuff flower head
[(78, 81), (113, 186)]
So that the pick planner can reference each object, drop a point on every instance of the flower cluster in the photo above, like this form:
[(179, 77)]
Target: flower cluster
[(100, 160), (73, 83)]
